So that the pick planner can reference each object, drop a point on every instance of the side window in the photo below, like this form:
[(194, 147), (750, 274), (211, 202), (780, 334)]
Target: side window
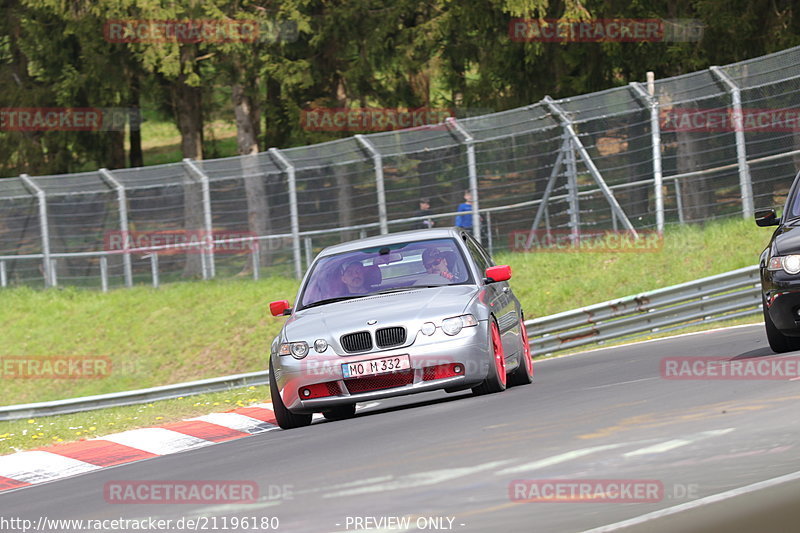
[(478, 254)]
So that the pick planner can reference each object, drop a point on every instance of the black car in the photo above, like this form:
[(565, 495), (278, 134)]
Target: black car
[(780, 274)]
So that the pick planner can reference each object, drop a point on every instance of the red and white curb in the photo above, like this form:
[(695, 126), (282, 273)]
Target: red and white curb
[(26, 468)]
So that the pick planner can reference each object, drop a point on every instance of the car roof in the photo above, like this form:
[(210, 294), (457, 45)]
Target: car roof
[(392, 238)]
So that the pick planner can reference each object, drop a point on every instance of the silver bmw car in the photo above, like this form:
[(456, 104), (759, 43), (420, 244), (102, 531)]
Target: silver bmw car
[(393, 315)]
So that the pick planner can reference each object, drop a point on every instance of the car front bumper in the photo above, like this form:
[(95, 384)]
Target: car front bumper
[(468, 350)]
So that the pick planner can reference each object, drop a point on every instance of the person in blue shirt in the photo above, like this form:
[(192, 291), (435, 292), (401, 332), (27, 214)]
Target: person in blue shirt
[(465, 221)]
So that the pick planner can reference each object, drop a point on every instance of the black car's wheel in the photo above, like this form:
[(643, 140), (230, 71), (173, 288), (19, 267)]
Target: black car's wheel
[(340, 412), (496, 380), (286, 419), (779, 342), (523, 375)]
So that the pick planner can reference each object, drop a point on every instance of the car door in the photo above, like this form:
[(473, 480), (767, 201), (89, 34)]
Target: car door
[(499, 297)]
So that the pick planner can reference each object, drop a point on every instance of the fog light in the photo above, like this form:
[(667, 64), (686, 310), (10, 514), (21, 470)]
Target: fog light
[(428, 328), (306, 393), (320, 345), (457, 369)]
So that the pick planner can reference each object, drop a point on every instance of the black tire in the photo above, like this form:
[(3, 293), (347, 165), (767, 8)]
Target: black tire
[(496, 379), (523, 375), (286, 419), (779, 342), (340, 412)]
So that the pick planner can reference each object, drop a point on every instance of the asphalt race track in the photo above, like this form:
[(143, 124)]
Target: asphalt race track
[(447, 462)]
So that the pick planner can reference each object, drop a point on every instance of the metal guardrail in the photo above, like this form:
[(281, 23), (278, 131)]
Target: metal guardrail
[(119, 399), (724, 296)]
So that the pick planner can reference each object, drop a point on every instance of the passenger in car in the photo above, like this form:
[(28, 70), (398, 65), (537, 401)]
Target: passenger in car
[(436, 263)]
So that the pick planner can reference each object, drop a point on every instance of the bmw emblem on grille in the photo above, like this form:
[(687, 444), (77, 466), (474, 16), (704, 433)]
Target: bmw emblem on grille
[(371, 322)]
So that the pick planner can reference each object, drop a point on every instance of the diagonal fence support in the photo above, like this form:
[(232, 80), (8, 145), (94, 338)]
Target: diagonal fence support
[(587, 161), (288, 167), (464, 137), (745, 183), (47, 262), (380, 190), (122, 203)]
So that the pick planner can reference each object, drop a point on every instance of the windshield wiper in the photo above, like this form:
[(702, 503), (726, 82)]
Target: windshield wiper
[(332, 300)]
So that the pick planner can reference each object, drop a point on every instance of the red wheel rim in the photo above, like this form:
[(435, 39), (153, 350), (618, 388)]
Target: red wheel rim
[(526, 349), (499, 356)]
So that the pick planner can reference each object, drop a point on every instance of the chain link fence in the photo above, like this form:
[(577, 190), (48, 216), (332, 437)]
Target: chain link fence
[(711, 144)]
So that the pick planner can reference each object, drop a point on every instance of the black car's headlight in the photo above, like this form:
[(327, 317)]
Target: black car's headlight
[(298, 350), (788, 263)]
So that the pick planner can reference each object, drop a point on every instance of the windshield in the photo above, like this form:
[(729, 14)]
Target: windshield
[(396, 267)]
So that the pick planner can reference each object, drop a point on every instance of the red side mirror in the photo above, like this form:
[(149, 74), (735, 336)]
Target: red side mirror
[(279, 307), (498, 273)]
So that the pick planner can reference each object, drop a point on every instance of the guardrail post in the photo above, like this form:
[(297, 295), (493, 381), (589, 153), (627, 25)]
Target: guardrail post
[(154, 268), (104, 273), (745, 183), (295, 223), (593, 170), (489, 238), (209, 268), (655, 136), (3, 278), (49, 274), (380, 189), (469, 141), (122, 202), (53, 273)]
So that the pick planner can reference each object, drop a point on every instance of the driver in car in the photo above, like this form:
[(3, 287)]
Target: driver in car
[(353, 277)]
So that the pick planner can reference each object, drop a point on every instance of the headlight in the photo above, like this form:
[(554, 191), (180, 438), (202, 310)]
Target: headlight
[(428, 328), (453, 326), (789, 263), (320, 345), (298, 350)]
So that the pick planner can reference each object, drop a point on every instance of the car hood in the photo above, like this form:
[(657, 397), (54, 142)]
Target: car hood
[(400, 308), (787, 240)]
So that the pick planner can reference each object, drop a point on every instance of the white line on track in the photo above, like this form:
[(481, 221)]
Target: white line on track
[(677, 443), (561, 458), (621, 383), (715, 498)]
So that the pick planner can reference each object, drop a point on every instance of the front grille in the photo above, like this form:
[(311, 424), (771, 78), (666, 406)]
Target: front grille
[(382, 381), (360, 341), (388, 337)]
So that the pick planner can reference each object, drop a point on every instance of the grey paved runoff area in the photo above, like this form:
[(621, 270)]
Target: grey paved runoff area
[(446, 462)]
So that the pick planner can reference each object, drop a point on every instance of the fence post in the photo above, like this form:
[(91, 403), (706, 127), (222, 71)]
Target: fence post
[(745, 183), (577, 145), (380, 189), (308, 246), (469, 141), (655, 135), (3, 278), (209, 268), (122, 201), (104, 273), (255, 257), (49, 274), (572, 191), (154, 268), (295, 223)]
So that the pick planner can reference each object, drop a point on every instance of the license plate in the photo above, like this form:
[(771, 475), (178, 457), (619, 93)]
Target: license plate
[(372, 367)]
